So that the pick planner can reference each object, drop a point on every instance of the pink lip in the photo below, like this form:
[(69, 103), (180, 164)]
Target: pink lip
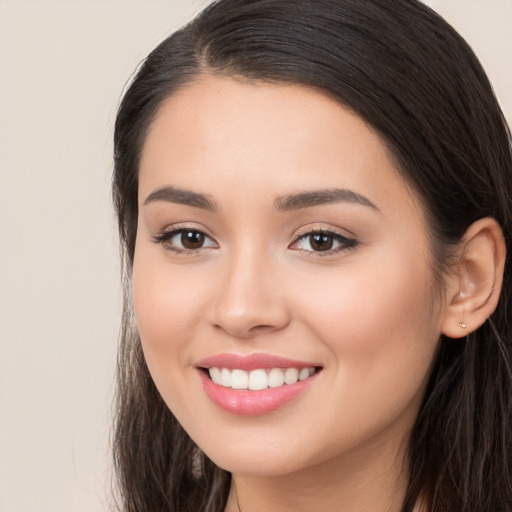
[(253, 403), (246, 402), (251, 362)]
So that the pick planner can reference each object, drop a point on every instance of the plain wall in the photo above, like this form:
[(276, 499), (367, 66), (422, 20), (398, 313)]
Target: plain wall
[(63, 68)]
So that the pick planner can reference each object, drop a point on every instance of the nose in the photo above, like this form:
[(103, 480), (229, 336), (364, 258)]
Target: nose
[(251, 298)]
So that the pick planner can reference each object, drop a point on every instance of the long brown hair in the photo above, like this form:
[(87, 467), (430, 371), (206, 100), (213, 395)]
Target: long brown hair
[(415, 80)]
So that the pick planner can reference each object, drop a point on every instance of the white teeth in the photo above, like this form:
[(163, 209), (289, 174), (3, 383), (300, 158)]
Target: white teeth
[(304, 373), (225, 378), (291, 375), (239, 379), (215, 375), (258, 379), (275, 378)]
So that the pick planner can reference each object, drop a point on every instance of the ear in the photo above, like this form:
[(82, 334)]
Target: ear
[(474, 286)]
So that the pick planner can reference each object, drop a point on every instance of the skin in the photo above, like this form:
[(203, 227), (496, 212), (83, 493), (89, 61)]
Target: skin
[(370, 315)]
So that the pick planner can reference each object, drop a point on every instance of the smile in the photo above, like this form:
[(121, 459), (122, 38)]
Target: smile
[(255, 384), (260, 378)]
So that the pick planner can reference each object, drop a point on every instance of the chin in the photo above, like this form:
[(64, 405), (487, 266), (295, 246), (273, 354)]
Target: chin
[(257, 464)]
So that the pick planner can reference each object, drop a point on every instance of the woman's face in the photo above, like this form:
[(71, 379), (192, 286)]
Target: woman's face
[(276, 240)]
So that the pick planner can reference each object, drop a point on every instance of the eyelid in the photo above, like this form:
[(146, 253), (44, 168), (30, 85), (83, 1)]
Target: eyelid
[(166, 235), (322, 228), (347, 242)]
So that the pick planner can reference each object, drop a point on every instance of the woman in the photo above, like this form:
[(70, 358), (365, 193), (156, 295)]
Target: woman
[(314, 206)]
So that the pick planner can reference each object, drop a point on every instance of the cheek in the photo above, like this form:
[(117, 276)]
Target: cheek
[(379, 324), (166, 306), (381, 336), (371, 298), (166, 309)]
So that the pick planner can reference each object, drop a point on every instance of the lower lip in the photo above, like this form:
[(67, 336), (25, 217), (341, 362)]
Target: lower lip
[(253, 403)]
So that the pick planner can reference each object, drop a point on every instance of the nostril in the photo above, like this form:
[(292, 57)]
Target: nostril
[(245, 330), (259, 328)]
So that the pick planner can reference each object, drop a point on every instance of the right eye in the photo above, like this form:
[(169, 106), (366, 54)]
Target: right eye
[(185, 240)]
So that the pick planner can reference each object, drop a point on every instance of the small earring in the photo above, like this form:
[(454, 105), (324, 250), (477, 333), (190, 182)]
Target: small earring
[(463, 325)]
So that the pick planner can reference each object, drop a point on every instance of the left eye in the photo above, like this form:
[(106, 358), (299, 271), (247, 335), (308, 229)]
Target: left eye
[(185, 240), (322, 241)]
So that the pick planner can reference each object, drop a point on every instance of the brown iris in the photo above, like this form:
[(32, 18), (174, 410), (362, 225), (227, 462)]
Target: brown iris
[(192, 239), (321, 242)]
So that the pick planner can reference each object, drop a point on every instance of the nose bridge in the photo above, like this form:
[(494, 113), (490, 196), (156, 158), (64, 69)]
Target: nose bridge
[(250, 299)]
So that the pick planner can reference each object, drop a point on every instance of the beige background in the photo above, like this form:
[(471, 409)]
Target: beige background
[(63, 65)]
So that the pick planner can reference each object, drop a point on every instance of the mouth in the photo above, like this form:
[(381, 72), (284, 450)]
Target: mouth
[(255, 384)]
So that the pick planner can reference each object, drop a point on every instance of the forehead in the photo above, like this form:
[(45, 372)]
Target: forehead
[(216, 133)]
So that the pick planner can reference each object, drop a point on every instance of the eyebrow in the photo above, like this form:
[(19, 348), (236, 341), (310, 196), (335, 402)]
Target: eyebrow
[(320, 197), (182, 196), (281, 204)]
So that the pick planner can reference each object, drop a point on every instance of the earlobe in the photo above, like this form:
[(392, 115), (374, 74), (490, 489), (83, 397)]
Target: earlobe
[(476, 281)]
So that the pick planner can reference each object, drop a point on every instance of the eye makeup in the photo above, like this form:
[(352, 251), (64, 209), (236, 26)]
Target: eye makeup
[(323, 242), (319, 242)]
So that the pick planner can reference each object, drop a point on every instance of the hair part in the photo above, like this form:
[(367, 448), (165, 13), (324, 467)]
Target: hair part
[(415, 81)]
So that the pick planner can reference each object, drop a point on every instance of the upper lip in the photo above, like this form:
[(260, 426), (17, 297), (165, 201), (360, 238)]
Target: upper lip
[(251, 362)]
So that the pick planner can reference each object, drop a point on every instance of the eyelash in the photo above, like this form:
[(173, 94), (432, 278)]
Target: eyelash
[(166, 237), (345, 243)]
